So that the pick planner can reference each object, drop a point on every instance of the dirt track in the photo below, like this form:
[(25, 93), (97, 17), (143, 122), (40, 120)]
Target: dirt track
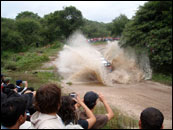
[(131, 98)]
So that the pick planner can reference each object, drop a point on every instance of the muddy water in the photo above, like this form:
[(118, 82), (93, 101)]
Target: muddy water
[(79, 61)]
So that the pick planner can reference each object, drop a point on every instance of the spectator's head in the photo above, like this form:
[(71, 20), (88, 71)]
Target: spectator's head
[(67, 110), (13, 112), (12, 87), (151, 118), (47, 99), (9, 92), (19, 82), (6, 80), (90, 99)]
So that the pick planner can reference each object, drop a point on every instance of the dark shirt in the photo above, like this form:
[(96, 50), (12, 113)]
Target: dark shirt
[(101, 120), (83, 123)]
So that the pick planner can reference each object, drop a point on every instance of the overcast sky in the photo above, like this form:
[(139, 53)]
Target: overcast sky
[(101, 11)]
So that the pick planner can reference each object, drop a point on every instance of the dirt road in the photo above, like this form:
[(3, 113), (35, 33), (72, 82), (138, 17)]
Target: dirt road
[(131, 99)]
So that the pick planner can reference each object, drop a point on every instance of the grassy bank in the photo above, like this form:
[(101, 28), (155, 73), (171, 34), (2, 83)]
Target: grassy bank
[(161, 78), (119, 121), (29, 60), (23, 65)]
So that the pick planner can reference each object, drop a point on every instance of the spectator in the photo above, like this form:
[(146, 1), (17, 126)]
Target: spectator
[(2, 79), (13, 113), (90, 99), (151, 118), (47, 104), (19, 84), (12, 87), (11, 91), (6, 82), (68, 113), (67, 110)]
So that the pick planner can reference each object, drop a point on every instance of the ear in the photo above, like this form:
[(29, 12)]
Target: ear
[(20, 119), (140, 127)]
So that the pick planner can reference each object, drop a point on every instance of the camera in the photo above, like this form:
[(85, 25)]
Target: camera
[(23, 82), (73, 95)]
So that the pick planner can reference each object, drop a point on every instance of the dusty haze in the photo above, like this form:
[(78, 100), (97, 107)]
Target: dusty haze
[(79, 61)]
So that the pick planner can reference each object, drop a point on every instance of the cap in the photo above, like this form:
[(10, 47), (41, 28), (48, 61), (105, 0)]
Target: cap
[(7, 79), (90, 98), (18, 82)]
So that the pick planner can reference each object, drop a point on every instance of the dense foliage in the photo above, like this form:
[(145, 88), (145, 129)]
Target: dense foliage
[(118, 25), (93, 29), (151, 29), (28, 28)]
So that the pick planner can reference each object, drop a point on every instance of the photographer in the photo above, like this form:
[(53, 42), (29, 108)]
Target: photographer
[(68, 113), (90, 99), (19, 84)]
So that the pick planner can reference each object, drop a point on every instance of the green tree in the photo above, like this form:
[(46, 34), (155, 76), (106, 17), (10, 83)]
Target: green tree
[(151, 29), (95, 29), (60, 24), (51, 31), (10, 38), (70, 20), (28, 14), (118, 25), (29, 29)]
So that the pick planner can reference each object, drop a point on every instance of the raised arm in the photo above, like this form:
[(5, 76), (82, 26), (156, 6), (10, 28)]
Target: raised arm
[(110, 113), (91, 118)]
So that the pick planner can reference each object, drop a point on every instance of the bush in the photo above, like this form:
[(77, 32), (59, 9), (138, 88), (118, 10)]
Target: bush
[(31, 60), (10, 65), (165, 79), (151, 29)]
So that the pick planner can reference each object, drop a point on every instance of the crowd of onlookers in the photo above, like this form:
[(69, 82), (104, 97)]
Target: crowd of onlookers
[(24, 108), (102, 39)]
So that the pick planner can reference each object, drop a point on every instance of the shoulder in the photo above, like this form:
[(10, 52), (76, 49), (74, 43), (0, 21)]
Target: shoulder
[(52, 124), (101, 117), (82, 115), (101, 121)]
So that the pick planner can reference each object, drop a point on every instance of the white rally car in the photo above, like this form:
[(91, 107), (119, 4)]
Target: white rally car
[(106, 64)]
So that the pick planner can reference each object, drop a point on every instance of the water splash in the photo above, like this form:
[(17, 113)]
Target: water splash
[(80, 62)]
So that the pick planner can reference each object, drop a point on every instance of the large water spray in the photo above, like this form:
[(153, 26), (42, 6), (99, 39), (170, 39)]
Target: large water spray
[(79, 61)]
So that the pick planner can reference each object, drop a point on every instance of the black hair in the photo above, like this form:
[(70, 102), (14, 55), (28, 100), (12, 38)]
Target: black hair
[(11, 86), (11, 111), (90, 105), (67, 110), (90, 99), (9, 92), (151, 118), (3, 97)]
